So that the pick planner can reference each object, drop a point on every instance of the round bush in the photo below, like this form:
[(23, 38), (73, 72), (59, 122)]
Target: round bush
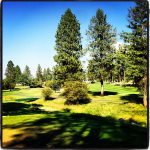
[(76, 92), (46, 93)]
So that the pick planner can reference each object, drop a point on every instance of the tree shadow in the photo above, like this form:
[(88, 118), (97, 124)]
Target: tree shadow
[(16, 89), (27, 99), (79, 102), (73, 130), (14, 108), (106, 93), (135, 98), (52, 98), (126, 85)]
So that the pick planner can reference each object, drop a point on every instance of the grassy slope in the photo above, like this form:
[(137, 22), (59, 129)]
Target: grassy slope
[(90, 125)]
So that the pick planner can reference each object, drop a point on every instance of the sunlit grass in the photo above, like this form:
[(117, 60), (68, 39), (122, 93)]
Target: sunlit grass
[(54, 123)]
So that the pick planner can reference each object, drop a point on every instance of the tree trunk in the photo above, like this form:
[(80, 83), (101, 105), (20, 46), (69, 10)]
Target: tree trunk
[(120, 77), (144, 94), (112, 79), (124, 77), (102, 88)]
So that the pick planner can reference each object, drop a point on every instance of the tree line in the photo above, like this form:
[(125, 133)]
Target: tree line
[(15, 76), (106, 63)]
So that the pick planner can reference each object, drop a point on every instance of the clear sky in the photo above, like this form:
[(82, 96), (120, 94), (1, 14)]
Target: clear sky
[(29, 28)]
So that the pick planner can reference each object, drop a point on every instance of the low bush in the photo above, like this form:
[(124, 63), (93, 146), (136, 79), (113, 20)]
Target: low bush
[(76, 92), (46, 93)]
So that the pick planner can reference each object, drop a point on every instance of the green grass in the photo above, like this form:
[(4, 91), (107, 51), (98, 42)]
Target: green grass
[(36, 123), (70, 130), (36, 92), (111, 92)]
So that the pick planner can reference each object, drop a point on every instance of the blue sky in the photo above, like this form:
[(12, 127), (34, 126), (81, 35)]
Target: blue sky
[(29, 28)]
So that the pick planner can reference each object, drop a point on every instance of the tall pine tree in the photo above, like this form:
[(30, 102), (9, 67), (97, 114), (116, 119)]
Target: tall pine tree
[(39, 73), (101, 37), (48, 74), (69, 49), (10, 74), (137, 58), (18, 73), (44, 75), (27, 71)]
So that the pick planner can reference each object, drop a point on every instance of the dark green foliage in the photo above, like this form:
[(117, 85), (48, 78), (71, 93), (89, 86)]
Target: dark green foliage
[(46, 93), (39, 73), (24, 79), (18, 73), (48, 74), (5, 85), (76, 92), (55, 84), (39, 83), (10, 74), (44, 75), (33, 83), (137, 55), (91, 71), (121, 66), (68, 41)]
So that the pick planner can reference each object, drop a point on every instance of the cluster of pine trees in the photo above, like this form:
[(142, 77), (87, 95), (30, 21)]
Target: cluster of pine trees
[(14, 75)]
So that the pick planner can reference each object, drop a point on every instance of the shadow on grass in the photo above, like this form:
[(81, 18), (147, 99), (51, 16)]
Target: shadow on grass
[(85, 101), (72, 130), (127, 85), (135, 98), (27, 99), (16, 89), (52, 98), (106, 93), (14, 108)]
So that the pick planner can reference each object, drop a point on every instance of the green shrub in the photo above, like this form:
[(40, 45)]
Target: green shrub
[(46, 93), (76, 92), (48, 84)]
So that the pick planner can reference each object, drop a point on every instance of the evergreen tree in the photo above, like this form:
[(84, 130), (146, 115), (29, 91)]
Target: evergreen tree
[(69, 49), (24, 79), (10, 74), (27, 71), (44, 75), (121, 63), (91, 70), (110, 65), (18, 73), (48, 74), (39, 73), (101, 37), (137, 57)]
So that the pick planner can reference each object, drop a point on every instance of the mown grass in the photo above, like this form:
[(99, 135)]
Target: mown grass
[(36, 123), (70, 130), (36, 92)]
